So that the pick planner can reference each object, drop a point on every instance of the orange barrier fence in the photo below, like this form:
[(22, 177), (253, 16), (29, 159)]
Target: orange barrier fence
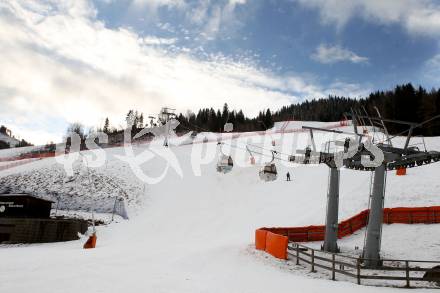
[(422, 215), (29, 156), (351, 225), (24, 159), (260, 239), (264, 239), (16, 163), (276, 245)]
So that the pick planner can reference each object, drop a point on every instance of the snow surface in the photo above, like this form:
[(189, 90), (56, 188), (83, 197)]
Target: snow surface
[(16, 151), (195, 233)]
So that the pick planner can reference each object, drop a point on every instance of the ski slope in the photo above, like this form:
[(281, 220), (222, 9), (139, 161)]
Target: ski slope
[(191, 233)]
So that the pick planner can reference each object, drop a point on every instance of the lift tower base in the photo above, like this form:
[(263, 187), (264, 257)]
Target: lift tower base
[(375, 220), (331, 223)]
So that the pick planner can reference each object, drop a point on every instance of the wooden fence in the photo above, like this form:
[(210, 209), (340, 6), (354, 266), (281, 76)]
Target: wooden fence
[(409, 272)]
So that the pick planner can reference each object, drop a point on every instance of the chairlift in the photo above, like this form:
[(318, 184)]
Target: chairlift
[(225, 162), (269, 170), (345, 143), (307, 154), (251, 156)]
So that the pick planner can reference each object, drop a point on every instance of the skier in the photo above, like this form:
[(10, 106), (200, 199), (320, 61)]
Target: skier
[(288, 176)]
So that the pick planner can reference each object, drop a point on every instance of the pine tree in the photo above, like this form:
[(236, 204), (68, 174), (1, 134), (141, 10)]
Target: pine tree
[(129, 117), (141, 121), (106, 126), (225, 113), (268, 120)]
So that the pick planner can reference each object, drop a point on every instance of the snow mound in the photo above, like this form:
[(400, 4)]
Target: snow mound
[(86, 190)]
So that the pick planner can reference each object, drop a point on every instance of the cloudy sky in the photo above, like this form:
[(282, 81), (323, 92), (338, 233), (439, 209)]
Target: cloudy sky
[(77, 60)]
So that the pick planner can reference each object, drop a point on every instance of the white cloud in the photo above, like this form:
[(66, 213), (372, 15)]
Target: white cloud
[(418, 17), (41, 135), (431, 69), (353, 90), (328, 54), (60, 64), (158, 3), (150, 40), (215, 16), (199, 14)]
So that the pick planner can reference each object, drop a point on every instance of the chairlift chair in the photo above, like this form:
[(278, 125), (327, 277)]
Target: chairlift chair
[(225, 163), (251, 156), (269, 170)]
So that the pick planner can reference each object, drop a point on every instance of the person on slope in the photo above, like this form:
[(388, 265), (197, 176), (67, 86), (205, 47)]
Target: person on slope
[(288, 176)]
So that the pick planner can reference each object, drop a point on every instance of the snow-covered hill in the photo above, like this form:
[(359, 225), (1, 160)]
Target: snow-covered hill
[(193, 232), (85, 190)]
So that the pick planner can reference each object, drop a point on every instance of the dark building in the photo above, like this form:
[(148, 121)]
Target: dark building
[(26, 219), (22, 205), (31, 230)]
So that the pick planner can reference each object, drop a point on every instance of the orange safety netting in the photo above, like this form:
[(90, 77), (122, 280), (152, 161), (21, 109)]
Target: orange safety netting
[(399, 215)]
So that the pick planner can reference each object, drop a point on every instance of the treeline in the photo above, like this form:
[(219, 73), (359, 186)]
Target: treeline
[(404, 102), (324, 109), (407, 103), (211, 120)]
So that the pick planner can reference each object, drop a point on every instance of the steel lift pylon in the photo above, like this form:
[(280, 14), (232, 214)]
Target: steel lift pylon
[(393, 158)]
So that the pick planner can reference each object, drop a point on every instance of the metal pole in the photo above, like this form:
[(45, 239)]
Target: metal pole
[(114, 209), (331, 223), (408, 138), (312, 140), (167, 130), (375, 219), (93, 222), (384, 127), (333, 267), (355, 124), (368, 117)]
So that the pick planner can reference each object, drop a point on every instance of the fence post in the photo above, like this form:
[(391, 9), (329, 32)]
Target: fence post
[(114, 209), (333, 267), (297, 254), (313, 261), (358, 267), (407, 273)]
